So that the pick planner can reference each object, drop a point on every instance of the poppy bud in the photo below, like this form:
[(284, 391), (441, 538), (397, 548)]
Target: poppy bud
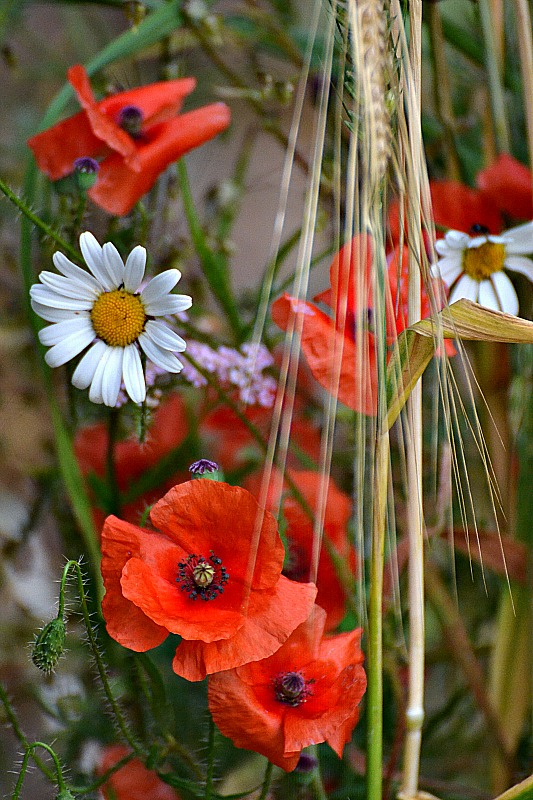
[(65, 794), (49, 646)]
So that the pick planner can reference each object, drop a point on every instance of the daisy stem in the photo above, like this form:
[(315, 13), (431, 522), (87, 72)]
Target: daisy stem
[(93, 644), (111, 472), (210, 760), (29, 752), (267, 781)]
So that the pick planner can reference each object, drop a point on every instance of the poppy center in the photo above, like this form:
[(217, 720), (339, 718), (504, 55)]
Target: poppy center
[(291, 688), (481, 262), (131, 119), (202, 577), (118, 317)]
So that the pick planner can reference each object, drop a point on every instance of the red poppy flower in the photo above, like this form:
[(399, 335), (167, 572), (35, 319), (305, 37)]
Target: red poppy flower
[(340, 350), (455, 206), (167, 430), (138, 133), (331, 595), (507, 184), (198, 578), (306, 693), (133, 781)]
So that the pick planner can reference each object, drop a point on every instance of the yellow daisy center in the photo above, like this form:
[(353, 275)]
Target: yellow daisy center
[(481, 262), (118, 317)]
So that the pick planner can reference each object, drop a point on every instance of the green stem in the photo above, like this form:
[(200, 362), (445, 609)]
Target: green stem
[(18, 732), (213, 266), (210, 760), (29, 752), (111, 472), (266, 781), (499, 119), (93, 644)]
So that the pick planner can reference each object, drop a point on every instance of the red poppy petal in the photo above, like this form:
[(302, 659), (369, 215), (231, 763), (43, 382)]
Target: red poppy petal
[(207, 515), (104, 128), (118, 187), (133, 781), (507, 183), (259, 637), (242, 719), (125, 622), (351, 266), (357, 386), (164, 603), (157, 101), (56, 149)]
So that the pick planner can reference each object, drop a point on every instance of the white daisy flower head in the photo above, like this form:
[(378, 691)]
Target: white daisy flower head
[(473, 265), (106, 312)]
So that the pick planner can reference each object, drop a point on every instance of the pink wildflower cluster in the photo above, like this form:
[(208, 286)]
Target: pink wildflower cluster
[(242, 370)]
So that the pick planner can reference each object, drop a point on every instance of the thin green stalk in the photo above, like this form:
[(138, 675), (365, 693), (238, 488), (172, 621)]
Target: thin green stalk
[(210, 760), (18, 732), (111, 472), (267, 781), (29, 752), (93, 644), (497, 100), (213, 266)]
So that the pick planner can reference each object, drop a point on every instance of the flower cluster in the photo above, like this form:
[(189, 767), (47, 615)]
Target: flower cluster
[(240, 370)]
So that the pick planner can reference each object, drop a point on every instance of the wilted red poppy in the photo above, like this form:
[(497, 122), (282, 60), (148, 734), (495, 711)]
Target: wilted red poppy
[(455, 206), (306, 693), (167, 430), (195, 578), (340, 350), (331, 595), (507, 184), (137, 133), (133, 781)]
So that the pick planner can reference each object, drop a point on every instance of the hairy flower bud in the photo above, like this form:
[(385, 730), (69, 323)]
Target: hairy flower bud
[(64, 794), (49, 646)]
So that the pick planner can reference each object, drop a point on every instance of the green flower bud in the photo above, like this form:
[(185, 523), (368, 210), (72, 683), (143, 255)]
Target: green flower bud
[(49, 646), (65, 794)]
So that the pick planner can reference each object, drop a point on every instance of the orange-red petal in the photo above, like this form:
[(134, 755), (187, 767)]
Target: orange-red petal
[(133, 781), (507, 183), (270, 621), (57, 148), (355, 383), (119, 187)]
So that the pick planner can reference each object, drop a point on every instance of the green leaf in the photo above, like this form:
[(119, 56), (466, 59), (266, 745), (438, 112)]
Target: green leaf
[(521, 791), (415, 346)]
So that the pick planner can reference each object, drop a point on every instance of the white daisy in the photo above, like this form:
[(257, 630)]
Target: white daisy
[(473, 266), (106, 312)]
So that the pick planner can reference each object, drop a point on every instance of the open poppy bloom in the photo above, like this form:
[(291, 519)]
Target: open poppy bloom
[(340, 349), (507, 183), (133, 781), (198, 577), (299, 535), (136, 133), (306, 693)]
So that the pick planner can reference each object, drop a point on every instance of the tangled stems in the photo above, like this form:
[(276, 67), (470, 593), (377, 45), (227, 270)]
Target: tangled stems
[(119, 717), (61, 785)]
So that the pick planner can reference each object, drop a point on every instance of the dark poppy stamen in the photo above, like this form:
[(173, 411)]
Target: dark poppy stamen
[(131, 120), (202, 577), (480, 229), (291, 688)]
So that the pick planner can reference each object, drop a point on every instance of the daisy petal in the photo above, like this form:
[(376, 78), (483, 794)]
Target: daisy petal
[(448, 269), (520, 239), (95, 392), (161, 358), (69, 287), (84, 372), (134, 270), (160, 286), (168, 304), (165, 337), (54, 334), (113, 264), (520, 264), (456, 240), (47, 297), (56, 314), (506, 293), (112, 376), (70, 270), (92, 253), (133, 374), (69, 347), (465, 287), (488, 296)]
